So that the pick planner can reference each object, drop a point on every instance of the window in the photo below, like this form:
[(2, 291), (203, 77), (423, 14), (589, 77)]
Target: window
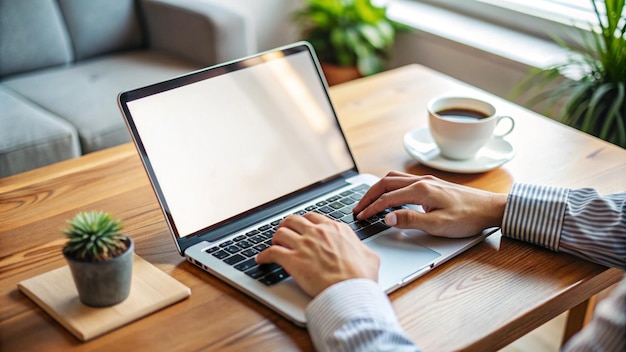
[(540, 18), (568, 12)]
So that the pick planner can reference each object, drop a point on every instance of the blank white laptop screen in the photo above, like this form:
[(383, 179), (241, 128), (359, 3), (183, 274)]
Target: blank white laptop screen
[(230, 143)]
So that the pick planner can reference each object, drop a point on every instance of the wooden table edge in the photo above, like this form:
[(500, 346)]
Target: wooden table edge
[(554, 307)]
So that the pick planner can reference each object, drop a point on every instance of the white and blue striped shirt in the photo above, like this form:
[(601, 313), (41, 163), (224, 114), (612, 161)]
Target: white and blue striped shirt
[(578, 222), (355, 315)]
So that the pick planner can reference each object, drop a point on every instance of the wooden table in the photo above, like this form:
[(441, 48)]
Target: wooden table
[(482, 300)]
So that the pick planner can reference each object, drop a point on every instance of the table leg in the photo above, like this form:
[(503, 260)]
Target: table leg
[(577, 318)]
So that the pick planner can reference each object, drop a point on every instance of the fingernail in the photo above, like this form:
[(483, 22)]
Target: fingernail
[(391, 219)]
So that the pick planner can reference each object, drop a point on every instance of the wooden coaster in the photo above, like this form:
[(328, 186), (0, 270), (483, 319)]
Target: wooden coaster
[(151, 289)]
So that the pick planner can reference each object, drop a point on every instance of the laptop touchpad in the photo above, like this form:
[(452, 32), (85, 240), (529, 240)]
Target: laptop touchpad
[(400, 257)]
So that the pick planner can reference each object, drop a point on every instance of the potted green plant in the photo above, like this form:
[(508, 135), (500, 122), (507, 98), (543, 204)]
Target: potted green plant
[(596, 102), (100, 258), (356, 35)]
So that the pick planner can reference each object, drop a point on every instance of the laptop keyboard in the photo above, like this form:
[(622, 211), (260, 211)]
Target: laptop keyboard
[(240, 251)]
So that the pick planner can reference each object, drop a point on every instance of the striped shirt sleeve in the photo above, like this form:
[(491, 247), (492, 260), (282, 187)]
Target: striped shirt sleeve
[(578, 222), (585, 224), (355, 315)]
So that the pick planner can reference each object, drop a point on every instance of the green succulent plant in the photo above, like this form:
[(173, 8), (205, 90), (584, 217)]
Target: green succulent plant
[(94, 236), (348, 32), (596, 102)]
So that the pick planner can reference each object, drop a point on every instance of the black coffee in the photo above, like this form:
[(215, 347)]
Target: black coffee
[(461, 115)]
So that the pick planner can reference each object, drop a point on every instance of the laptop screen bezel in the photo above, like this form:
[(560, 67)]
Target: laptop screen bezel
[(242, 220)]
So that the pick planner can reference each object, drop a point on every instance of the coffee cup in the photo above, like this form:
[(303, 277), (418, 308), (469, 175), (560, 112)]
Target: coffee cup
[(461, 126)]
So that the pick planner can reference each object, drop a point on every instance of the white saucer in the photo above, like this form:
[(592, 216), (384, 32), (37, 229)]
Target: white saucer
[(420, 145)]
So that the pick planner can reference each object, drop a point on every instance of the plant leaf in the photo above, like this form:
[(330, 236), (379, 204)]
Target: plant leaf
[(371, 35), (615, 118), (594, 105), (320, 21), (596, 102)]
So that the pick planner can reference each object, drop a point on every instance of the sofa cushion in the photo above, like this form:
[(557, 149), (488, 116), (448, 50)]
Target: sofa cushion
[(85, 94), (99, 27), (31, 137), (32, 36)]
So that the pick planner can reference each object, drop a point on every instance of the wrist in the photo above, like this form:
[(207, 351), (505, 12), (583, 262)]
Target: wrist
[(497, 206)]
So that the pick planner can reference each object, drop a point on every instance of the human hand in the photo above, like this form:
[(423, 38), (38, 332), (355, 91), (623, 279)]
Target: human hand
[(450, 210), (318, 252)]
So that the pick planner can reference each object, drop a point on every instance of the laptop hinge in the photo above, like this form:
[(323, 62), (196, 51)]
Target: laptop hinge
[(267, 212)]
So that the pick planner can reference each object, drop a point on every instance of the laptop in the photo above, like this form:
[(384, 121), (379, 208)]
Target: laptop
[(232, 149)]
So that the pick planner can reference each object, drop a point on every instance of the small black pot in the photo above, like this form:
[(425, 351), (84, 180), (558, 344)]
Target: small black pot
[(106, 283)]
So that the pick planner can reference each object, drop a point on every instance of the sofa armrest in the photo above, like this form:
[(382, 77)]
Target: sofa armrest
[(199, 31)]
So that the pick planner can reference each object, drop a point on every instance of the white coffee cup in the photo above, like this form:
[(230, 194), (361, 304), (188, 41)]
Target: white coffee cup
[(461, 126)]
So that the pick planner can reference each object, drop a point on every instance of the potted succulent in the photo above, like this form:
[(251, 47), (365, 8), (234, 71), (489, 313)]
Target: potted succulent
[(100, 258), (596, 102), (355, 35)]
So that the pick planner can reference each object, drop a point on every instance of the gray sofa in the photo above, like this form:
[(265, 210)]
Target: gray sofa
[(63, 62)]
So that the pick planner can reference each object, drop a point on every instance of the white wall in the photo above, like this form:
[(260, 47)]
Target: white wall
[(493, 73), (484, 54)]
